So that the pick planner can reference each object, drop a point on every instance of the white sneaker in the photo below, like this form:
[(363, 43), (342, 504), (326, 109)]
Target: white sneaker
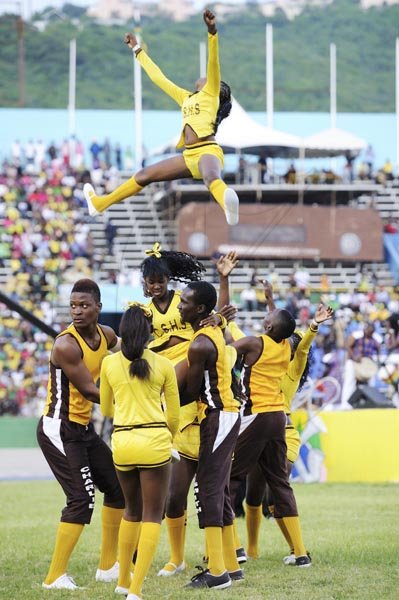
[(121, 590), (132, 597), (231, 205), (88, 192), (177, 569), (64, 582), (108, 575), (289, 560)]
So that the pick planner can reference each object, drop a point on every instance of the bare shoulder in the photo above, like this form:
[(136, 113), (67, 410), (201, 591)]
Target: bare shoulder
[(110, 335), (67, 348)]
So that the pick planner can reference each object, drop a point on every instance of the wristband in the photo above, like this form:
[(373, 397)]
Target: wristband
[(136, 47), (223, 323), (314, 325)]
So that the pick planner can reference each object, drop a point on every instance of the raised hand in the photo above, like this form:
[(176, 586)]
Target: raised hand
[(268, 290), (323, 313), (227, 263), (130, 39), (210, 20)]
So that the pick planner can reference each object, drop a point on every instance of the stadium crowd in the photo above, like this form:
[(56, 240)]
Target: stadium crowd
[(45, 241)]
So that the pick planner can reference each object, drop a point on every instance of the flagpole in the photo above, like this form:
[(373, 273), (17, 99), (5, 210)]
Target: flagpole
[(269, 75), (202, 59), (397, 103), (333, 86), (72, 88), (138, 109)]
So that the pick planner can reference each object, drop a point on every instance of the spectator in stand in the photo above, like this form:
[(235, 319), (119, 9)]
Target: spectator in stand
[(242, 170), (388, 170), (302, 279), (290, 176), (262, 168), (95, 150), (248, 298), (16, 152), (118, 157), (52, 152), (360, 366), (110, 231), (107, 153), (349, 166), (369, 158)]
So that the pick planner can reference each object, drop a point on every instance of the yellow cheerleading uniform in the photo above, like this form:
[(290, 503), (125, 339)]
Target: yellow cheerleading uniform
[(64, 401), (199, 109), (289, 386), (262, 380), (167, 324), (143, 431), (216, 390)]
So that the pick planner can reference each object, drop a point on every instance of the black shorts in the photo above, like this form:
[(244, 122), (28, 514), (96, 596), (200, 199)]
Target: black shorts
[(218, 436), (80, 461)]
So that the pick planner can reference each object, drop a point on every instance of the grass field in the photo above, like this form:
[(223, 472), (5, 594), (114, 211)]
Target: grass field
[(351, 530)]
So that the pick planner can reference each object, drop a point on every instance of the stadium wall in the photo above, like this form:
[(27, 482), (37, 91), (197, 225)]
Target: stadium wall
[(350, 446)]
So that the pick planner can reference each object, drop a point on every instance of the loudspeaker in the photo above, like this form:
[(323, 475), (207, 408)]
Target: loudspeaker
[(367, 397)]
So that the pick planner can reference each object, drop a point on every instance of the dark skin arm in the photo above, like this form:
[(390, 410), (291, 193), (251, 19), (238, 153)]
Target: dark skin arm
[(113, 342), (201, 352), (249, 347), (224, 266), (67, 355)]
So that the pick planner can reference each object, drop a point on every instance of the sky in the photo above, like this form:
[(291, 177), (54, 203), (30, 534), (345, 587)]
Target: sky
[(30, 6)]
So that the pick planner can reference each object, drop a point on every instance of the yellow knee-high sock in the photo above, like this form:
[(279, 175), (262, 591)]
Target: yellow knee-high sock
[(214, 543), (217, 189), (110, 521), (285, 533), (229, 549), (237, 541), (294, 530), (129, 533), (253, 518), (65, 541), (148, 542), (176, 533), (127, 189)]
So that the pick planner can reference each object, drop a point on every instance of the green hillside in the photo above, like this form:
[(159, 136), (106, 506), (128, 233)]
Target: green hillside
[(365, 43)]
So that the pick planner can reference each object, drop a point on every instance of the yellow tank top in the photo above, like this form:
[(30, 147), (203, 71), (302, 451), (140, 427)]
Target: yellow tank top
[(64, 401), (262, 380), (168, 323), (216, 389)]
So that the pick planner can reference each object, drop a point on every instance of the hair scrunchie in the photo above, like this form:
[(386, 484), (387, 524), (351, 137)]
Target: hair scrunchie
[(155, 250), (146, 310)]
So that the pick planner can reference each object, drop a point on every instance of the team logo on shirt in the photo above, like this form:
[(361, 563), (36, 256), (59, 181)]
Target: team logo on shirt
[(191, 110)]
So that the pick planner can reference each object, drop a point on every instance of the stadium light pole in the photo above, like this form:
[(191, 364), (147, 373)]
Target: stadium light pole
[(397, 101), (138, 107), (202, 55), (269, 76), (333, 86), (72, 88)]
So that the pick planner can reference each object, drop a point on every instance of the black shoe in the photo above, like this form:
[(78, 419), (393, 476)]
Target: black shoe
[(205, 579), (303, 561), (237, 575), (241, 556)]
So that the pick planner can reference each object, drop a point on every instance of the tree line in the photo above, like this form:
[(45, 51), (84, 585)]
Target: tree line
[(365, 42)]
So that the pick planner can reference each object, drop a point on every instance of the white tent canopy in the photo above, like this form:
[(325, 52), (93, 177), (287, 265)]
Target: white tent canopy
[(240, 134), (332, 142)]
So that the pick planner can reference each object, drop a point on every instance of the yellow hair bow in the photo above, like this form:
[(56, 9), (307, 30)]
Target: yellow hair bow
[(146, 310), (155, 250)]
